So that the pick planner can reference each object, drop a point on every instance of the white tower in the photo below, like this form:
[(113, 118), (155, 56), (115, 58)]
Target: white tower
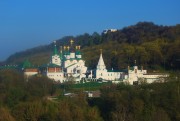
[(101, 71), (101, 65)]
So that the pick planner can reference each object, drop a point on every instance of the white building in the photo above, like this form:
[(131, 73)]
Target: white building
[(103, 73), (55, 72), (136, 75), (132, 76), (29, 70), (69, 63), (109, 30)]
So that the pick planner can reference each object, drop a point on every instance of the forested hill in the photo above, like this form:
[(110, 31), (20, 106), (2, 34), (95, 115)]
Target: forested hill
[(153, 46)]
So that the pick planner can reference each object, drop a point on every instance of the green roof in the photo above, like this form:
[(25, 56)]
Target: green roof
[(9, 67), (78, 59), (114, 70), (61, 56), (66, 53), (27, 64), (55, 50), (131, 68), (72, 59), (124, 70), (78, 52)]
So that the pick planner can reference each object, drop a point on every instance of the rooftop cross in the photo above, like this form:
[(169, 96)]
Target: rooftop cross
[(65, 47), (68, 48), (71, 41), (55, 49)]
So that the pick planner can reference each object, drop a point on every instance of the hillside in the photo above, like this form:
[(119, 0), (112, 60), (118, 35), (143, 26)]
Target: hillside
[(153, 46)]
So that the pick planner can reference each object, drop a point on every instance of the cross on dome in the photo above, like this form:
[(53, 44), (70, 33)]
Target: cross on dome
[(71, 41), (55, 49)]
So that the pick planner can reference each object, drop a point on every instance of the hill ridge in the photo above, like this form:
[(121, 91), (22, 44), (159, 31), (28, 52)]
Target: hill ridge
[(136, 38)]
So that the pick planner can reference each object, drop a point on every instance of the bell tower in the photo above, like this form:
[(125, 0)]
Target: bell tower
[(56, 57)]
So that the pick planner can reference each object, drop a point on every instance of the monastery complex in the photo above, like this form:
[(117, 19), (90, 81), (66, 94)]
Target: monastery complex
[(68, 64)]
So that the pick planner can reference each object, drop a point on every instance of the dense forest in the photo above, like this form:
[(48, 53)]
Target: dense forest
[(22, 100), (155, 47)]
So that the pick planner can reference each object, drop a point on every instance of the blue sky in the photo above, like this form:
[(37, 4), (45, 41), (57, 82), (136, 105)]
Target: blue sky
[(29, 23)]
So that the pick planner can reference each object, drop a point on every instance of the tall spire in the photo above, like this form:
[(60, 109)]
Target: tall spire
[(101, 64), (55, 49)]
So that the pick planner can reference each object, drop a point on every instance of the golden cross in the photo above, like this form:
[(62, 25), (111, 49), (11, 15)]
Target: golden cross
[(71, 42), (68, 47)]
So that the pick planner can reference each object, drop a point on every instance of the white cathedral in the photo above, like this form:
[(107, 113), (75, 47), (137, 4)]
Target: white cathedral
[(68, 65)]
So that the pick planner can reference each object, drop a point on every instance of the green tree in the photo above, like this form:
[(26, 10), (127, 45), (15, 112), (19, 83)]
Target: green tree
[(141, 55), (40, 86)]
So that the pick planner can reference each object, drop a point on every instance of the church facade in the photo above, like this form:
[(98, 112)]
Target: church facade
[(66, 64)]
